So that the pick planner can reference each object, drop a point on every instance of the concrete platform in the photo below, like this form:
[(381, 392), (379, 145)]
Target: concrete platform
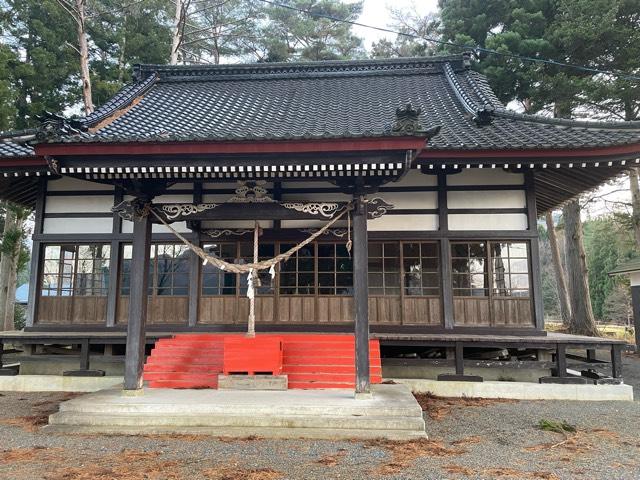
[(520, 390), (57, 383), (392, 412)]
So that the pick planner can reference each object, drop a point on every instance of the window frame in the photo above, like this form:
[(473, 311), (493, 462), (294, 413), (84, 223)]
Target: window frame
[(74, 275)]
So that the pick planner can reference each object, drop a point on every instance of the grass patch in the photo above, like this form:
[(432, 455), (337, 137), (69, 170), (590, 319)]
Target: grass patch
[(556, 426)]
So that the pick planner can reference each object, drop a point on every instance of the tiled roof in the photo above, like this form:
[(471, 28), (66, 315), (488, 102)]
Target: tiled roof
[(331, 100), (10, 147), (630, 266)]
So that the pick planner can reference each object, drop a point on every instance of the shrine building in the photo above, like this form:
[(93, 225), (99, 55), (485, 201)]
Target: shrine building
[(419, 189)]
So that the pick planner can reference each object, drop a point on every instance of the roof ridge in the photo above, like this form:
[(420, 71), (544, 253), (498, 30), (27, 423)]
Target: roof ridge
[(502, 111), (121, 99), (434, 64), (481, 114), (567, 122)]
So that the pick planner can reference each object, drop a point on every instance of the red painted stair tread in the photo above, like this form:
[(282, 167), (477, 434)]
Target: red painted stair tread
[(311, 361)]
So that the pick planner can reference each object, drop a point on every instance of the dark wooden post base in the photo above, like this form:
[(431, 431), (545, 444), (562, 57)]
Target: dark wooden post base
[(361, 294), (136, 338), (635, 302), (84, 370)]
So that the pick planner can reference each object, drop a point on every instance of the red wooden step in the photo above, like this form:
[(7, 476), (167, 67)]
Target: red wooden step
[(310, 360)]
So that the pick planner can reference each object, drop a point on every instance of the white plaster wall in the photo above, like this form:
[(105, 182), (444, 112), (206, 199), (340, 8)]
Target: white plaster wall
[(415, 178), (77, 204), (216, 198), (77, 225), (173, 199), (502, 221), (127, 227), (487, 199), (421, 200), (74, 184), (403, 223), (311, 224), (236, 224), (485, 176), (315, 197), (635, 278)]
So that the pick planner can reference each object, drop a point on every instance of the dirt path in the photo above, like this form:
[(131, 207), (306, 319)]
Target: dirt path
[(467, 440)]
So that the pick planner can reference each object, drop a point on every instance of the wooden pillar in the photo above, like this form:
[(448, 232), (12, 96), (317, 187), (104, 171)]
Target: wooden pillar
[(534, 253), (446, 282), (36, 258), (361, 294), (635, 302), (194, 264), (136, 339), (114, 262)]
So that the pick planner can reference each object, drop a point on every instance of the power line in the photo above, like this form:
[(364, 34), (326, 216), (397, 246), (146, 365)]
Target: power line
[(476, 48)]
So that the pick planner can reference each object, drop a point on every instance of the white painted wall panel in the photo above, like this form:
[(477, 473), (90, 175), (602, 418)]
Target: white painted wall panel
[(485, 176), (236, 224), (487, 199), (316, 197), (410, 199), (403, 223), (127, 227), (415, 178), (216, 198), (77, 225), (173, 199), (311, 224), (502, 221), (77, 204), (74, 184)]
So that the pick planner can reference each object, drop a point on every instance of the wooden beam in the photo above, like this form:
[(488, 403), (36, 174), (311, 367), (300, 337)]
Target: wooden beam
[(400, 144), (361, 294), (36, 251), (446, 282), (114, 264), (534, 252), (134, 356)]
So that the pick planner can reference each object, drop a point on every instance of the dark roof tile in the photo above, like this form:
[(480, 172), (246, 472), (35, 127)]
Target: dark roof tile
[(332, 100)]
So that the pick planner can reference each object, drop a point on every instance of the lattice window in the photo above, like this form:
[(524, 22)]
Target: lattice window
[(469, 269), (297, 275), (510, 269), (214, 280), (76, 270), (168, 270), (420, 267), (335, 269), (384, 268)]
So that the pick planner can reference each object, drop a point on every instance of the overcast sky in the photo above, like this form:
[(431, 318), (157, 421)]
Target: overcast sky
[(376, 13)]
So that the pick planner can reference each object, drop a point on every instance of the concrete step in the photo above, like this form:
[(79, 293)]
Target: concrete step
[(118, 408), (341, 422), (241, 432)]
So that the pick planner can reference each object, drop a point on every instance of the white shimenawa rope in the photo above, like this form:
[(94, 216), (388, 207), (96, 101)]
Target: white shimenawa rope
[(252, 269)]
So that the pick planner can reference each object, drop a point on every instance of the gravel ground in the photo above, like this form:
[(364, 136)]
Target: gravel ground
[(467, 440)]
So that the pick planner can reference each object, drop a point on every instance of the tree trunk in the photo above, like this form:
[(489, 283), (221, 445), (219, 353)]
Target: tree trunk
[(84, 56), (558, 266), (177, 33), (581, 321), (635, 203), (6, 262), (10, 309), (123, 49)]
